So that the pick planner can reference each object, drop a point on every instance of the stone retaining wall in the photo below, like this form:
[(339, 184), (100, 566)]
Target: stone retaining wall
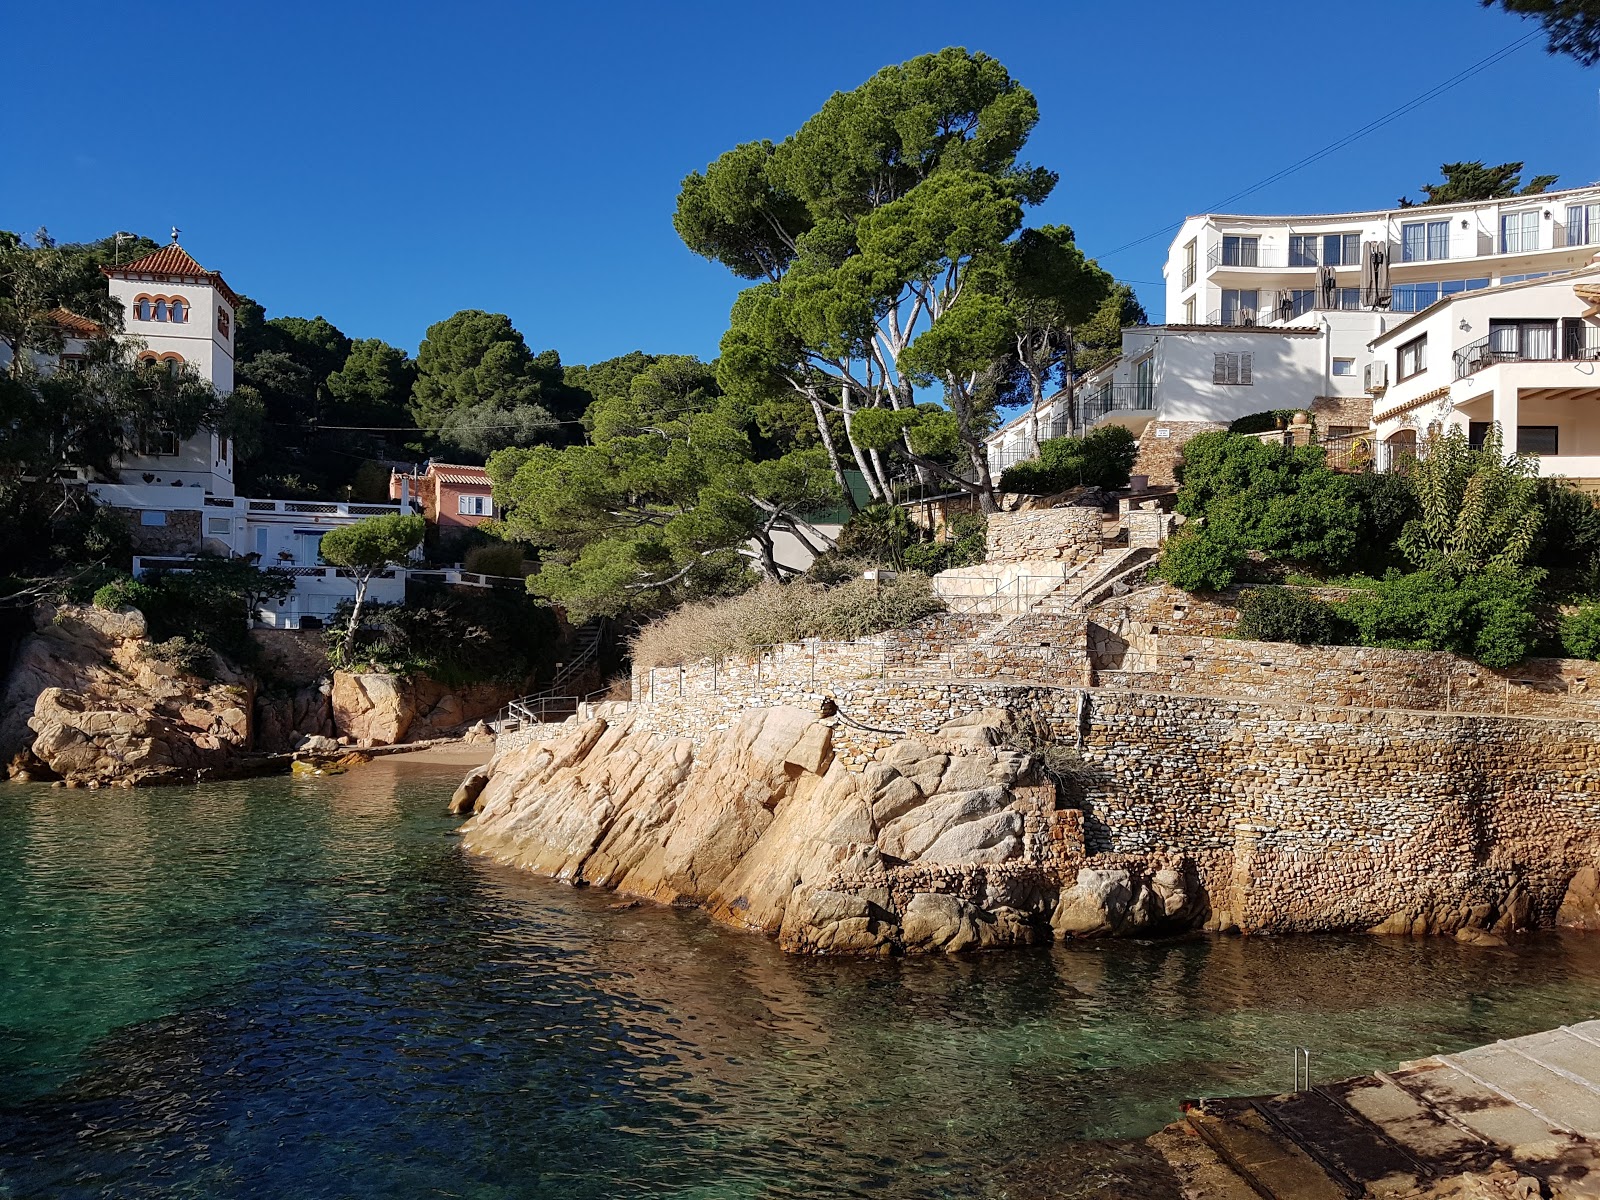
[(1072, 533), (1356, 677), (1317, 818)]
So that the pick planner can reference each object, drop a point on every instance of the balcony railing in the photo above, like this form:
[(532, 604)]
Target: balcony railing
[(1119, 397), (1280, 306), (328, 508), (1189, 275), (1573, 345)]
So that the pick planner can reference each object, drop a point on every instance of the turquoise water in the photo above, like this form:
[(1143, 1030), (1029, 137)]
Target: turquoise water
[(296, 988)]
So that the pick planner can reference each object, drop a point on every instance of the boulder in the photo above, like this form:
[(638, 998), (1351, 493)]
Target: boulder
[(464, 799), (372, 708), (79, 739)]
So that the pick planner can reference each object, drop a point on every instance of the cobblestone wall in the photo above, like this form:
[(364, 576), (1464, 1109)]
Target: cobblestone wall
[(1317, 818), (1352, 412), (1161, 446), (1071, 533)]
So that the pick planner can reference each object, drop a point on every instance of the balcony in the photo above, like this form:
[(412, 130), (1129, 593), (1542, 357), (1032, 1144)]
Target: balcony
[(1277, 306), (1188, 276), (1505, 346), (1115, 398)]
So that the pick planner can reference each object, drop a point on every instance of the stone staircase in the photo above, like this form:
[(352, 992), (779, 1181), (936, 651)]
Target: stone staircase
[(1526, 1109)]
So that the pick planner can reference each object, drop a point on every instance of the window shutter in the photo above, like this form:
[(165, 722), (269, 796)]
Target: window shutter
[(1219, 369), (1244, 368)]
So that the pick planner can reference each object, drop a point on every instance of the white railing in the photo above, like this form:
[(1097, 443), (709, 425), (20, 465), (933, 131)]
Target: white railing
[(323, 508), (455, 575)]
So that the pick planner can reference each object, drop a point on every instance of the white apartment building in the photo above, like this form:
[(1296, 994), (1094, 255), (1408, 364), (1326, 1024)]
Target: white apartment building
[(177, 494), (1326, 286), (1525, 356)]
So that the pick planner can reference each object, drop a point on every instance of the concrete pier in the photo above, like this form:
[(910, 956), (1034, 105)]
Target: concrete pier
[(1515, 1119)]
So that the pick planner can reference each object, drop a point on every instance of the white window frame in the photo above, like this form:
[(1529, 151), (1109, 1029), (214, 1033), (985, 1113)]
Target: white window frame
[(470, 504), (1527, 230), (1348, 365)]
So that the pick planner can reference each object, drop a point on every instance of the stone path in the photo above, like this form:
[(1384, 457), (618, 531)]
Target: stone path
[(1518, 1118)]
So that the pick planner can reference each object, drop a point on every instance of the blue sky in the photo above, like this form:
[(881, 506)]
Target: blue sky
[(385, 165)]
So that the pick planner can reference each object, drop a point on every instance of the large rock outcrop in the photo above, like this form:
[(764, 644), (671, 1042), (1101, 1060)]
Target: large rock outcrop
[(374, 709), (107, 712), (944, 844)]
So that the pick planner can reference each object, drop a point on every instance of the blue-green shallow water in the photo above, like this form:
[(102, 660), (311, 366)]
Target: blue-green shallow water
[(303, 989)]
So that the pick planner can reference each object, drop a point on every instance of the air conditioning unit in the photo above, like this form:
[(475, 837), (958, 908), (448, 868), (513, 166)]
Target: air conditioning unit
[(1376, 376)]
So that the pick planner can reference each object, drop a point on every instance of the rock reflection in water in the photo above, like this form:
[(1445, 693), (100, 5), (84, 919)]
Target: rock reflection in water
[(303, 988)]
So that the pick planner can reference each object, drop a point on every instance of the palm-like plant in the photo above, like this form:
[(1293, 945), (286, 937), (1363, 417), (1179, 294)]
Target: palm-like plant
[(1479, 507)]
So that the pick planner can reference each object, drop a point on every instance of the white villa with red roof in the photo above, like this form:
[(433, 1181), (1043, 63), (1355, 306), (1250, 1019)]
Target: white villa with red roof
[(178, 493)]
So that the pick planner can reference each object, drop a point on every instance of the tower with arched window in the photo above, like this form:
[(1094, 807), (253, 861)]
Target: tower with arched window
[(179, 314)]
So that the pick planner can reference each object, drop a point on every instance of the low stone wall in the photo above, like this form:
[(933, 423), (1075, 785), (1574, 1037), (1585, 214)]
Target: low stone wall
[(1353, 413), (1356, 677), (1072, 533)]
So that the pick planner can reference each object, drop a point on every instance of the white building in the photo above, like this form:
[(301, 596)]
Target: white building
[(178, 493), (1525, 356), (1282, 312)]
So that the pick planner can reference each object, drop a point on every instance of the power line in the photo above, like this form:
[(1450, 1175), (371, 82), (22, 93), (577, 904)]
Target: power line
[(1372, 126)]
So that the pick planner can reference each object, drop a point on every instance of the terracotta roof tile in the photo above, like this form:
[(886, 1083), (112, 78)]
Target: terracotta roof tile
[(459, 474), (176, 262), (73, 323)]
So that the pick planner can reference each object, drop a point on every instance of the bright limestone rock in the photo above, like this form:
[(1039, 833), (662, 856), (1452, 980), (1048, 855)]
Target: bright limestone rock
[(929, 849)]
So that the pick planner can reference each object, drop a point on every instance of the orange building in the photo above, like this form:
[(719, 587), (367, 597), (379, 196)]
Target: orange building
[(452, 496)]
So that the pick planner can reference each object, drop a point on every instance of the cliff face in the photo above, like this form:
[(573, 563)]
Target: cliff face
[(83, 702), (950, 842)]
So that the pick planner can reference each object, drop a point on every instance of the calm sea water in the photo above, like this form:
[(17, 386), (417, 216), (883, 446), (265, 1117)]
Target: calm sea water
[(296, 988)]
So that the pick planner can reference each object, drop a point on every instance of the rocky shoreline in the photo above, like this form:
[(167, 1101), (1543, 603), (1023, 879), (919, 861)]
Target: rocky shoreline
[(947, 843)]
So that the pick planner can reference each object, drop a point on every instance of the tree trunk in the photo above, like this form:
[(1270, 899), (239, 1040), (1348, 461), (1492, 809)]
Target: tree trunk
[(834, 461), (355, 611)]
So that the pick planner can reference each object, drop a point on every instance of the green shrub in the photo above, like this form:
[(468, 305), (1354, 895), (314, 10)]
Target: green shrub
[(1102, 458), (1198, 560), (126, 592), (497, 558), (1486, 616), (1281, 614), (187, 655), (454, 635), (879, 532), (1264, 422), (964, 543), (1580, 632), (1280, 500)]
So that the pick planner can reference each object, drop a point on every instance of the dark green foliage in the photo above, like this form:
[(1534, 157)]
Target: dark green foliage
[(1197, 560), (495, 558), (456, 636), (1102, 458), (210, 604), (1262, 422), (187, 655), (1569, 545), (1467, 181), (1388, 503), (1280, 614), (962, 545), (1580, 632), (53, 536), (1572, 26), (881, 533), (481, 388), (1282, 501), (1487, 616)]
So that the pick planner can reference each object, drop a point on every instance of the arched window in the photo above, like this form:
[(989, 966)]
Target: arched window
[(141, 308), (178, 309), (161, 310), (222, 321), (173, 363)]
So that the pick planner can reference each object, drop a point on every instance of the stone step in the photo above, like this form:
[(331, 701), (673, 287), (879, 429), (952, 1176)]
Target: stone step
[(1443, 1146), (1352, 1149), (1537, 1084), (1271, 1163), (1200, 1170)]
